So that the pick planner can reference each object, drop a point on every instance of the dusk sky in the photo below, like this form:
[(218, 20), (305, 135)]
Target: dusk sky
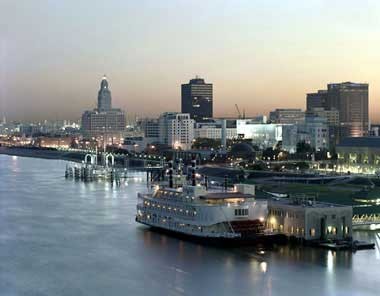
[(259, 54)]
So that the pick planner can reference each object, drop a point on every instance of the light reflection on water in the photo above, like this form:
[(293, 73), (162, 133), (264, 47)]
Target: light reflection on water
[(61, 237)]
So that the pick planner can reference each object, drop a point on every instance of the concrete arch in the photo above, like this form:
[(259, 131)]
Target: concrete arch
[(110, 155), (90, 158)]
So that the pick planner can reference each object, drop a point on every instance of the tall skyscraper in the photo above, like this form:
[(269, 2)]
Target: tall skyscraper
[(104, 96), (351, 100), (197, 99), (104, 123)]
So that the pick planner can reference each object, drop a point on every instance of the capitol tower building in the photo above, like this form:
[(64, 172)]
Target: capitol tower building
[(104, 96), (104, 123)]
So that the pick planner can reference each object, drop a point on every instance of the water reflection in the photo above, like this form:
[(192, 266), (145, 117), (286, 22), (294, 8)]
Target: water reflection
[(330, 260), (263, 267), (316, 256), (167, 245)]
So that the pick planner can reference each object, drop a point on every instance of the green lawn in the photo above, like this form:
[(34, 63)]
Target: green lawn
[(344, 194), (333, 194)]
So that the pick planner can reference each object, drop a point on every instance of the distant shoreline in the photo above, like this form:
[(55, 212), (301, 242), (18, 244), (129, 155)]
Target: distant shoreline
[(42, 153), (33, 152)]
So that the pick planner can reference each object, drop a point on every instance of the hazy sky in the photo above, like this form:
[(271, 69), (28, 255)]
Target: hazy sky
[(258, 54)]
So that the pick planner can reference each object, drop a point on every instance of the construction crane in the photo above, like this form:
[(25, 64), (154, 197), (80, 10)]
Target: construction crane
[(239, 113), (237, 109)]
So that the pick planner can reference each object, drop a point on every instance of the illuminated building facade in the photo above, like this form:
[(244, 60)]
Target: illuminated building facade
[(197, 99), (359, 155), (54, 142), (104, 123), (262, 135), (176, 130), (351, 100), (305, 218), (213, 130)]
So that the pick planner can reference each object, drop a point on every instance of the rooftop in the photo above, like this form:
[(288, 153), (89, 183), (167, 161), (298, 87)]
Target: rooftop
[(347, 83), (373, 142), (304, 203), (225, 195)]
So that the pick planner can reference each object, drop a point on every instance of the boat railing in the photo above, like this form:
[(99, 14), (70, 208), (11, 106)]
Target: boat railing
[(227, 220)]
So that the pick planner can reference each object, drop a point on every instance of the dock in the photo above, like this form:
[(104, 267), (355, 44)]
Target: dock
[(90, 170), (347, 245)]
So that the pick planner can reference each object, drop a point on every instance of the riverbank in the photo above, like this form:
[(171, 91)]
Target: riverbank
[(43, 153)]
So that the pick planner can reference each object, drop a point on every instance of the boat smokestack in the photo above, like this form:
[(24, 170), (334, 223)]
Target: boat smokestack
[(177, 165), (193, 181), (179, 168), (206, 182), (171, 174), (224, 135)]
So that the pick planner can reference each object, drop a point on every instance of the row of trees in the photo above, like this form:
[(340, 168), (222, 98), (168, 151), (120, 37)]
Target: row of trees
[(304, 151)]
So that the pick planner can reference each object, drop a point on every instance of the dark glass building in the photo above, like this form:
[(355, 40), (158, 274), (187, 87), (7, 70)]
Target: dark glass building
[(351, 100), (345, 105), (197, 99), (316, 100)]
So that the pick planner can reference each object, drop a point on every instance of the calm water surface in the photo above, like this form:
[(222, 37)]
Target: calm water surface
[(60, 237)]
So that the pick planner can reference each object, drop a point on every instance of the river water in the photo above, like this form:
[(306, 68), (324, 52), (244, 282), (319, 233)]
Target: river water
[(61, 237)]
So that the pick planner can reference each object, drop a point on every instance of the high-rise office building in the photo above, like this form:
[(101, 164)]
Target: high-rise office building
[(316, 100), (345, 106), (196, 99), (104, 123), (351, 100)]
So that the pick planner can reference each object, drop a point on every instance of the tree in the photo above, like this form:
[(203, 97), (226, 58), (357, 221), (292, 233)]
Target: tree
[(269, 153), (206, 143), (302, 165), (303, 147)]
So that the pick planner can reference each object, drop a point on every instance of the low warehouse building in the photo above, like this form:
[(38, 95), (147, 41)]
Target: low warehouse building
[(305, 218)]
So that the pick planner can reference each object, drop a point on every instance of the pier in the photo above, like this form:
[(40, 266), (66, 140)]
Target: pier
[(90, 170)]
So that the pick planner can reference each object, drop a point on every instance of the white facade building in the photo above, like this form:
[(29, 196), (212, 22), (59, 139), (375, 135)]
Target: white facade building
[(263, 135), (287, 116), (176, 130), (290, 137), (213, 130), (315, 132)]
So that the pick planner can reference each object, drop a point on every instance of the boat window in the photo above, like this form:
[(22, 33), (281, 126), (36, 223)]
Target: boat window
[(241, 212)]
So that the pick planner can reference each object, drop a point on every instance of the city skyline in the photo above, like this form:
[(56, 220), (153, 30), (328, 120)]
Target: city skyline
[(189, 147), (251, 52)]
